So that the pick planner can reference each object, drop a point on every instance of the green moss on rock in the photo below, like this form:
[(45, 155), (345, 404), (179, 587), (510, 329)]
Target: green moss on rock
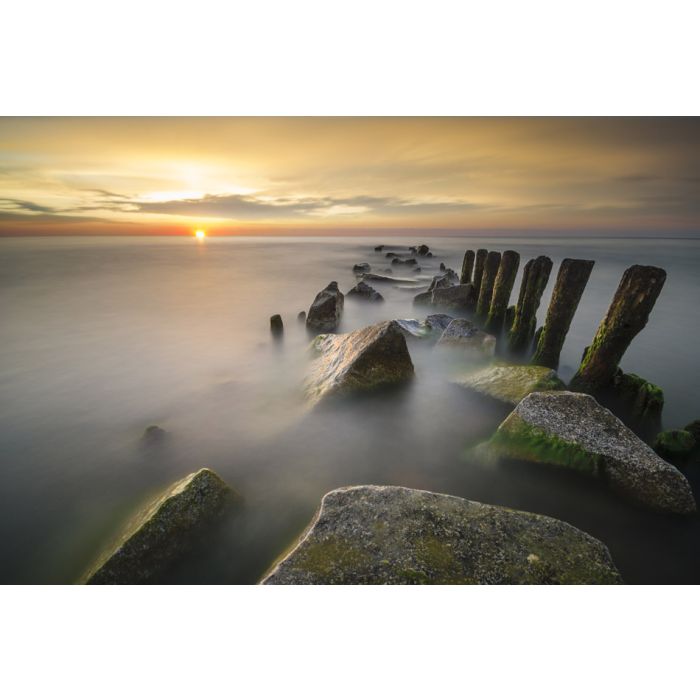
[(676, 446)]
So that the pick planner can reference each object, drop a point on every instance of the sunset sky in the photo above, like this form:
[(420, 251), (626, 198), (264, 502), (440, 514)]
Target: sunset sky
[(273, 175)]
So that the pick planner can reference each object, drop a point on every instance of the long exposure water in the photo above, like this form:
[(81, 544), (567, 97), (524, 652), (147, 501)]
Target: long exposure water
[(101, 337)]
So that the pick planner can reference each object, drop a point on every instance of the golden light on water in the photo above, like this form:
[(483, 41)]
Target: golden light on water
[(200, 235)]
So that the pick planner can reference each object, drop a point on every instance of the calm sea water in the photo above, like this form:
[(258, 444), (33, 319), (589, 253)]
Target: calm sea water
[(102, 337)]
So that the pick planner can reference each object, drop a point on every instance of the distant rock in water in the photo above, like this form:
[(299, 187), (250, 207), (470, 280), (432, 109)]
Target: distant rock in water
[(422, 250), (301, 316), (153, 436), (391, 254), (371, 277), (276, 325), (325, 312), (442, 267), (399, 261), (365, 360), (574, 431), (396, 535), (463, 335), (448, 279), (457, 297), (379, 248), (164, 530), (361, 267), (363, 291), (509, 384)]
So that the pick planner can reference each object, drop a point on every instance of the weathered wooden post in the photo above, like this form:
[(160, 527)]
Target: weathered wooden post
[(479, 262), (502, 287), (535, 278), (493, 260), (572, 279), (467, 267), (628, 313)]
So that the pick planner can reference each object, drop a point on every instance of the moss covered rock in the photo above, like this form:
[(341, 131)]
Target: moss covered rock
[(675, 446), (574, 431), (464, 336), (395, 535), (157, 535), (510, 384), (364, 360)]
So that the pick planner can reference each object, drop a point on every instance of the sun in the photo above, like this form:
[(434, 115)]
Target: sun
[(200, 235)]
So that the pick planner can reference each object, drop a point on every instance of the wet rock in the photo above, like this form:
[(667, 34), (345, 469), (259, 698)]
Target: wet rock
[(153, 436), (276, 325), (361, 267), (509, 384), (442, 267), (301, 317), (675, 446), (432, 327), (416, 269), (573, 431), (423, 299), (466, 337), (379, 248), (413, 249), (399, 261), (363, 291), (423, 250), (163, 531), (396, 535), (637, 402), (364, 360), (325, 312), (454, 297), (428, 255), (391, 254), (448, 279)]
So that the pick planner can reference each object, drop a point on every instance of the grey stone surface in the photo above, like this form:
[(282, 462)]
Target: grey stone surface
[(465, 336), (364, 360), (157, 535), (396, 535), (363, 291), (326, 310), (574, 431)]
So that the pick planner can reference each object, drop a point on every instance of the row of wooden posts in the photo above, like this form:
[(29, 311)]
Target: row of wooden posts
[(492, 276)]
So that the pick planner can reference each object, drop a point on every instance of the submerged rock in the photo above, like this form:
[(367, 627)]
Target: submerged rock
[(422, 249), (276, 325), (574, 431), (465, 336), (675, 446), (153, 436), (448, 279), (301, 316), (325, 312), (361, 267), (371, 277), (379, 248), (510, 384), (432, 327), (636, 401), (160, 533), (399, 261), (364, 360), (396, 535), (455, 297), (363, 291)]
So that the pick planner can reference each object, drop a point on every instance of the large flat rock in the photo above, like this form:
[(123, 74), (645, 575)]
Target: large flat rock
[(509, 384), (574, 431), (367, 359), (156, 536), (396, 535)]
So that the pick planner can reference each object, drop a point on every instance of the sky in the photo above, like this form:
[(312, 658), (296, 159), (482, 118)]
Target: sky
[(273, 175)]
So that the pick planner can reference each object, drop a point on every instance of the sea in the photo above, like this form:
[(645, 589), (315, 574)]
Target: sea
[(101, 337)]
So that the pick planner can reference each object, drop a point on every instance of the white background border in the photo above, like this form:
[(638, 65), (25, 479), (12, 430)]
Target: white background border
[(323, 58)]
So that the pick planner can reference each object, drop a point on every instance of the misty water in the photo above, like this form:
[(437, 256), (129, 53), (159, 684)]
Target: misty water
[(101, 337)]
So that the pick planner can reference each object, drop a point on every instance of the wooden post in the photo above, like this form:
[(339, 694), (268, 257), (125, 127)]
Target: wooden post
[(493, 260), (535, 278), (628, 313), (502, 287), (572, 279), (479, 269), (467, 267)]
